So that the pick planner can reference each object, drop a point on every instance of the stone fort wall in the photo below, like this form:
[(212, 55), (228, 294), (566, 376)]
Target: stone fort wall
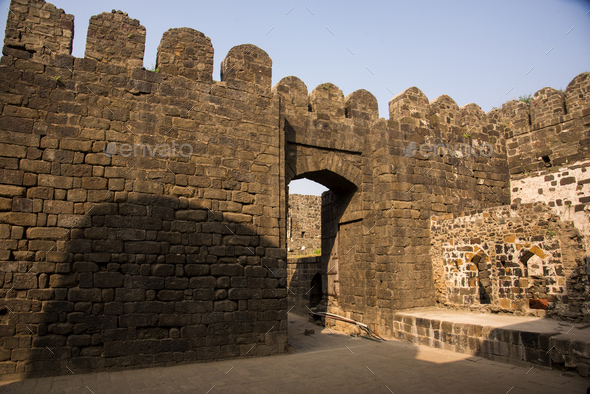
[(114, 259), (304, 222), (547, 152)]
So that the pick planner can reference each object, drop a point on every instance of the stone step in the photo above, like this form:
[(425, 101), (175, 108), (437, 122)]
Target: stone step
[(511, 339)]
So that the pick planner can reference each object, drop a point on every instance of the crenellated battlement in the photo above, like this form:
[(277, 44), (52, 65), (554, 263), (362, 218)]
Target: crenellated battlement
[(36, 30), (149, 208), (115, 38), (186, 52), (324, 117)]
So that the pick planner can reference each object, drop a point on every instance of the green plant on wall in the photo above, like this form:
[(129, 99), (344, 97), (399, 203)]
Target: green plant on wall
[(526, 99), (317, 251), (57, 80), (550, 233), (153, 68)]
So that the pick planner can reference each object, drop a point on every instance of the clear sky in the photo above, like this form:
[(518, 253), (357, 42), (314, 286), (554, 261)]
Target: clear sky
[(476, 52)]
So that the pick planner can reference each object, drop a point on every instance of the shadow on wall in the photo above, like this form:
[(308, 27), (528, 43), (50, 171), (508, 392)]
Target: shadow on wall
[(417, 369), (313, 281), (150, 280)]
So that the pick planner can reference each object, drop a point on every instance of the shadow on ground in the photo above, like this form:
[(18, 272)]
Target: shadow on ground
[(323, 362)]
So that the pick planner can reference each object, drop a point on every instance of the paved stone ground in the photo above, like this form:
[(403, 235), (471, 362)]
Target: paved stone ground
[(324, 362)]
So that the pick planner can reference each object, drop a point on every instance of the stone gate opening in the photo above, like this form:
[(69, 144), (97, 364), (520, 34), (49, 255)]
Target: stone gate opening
[(312, 275), (315, 292)]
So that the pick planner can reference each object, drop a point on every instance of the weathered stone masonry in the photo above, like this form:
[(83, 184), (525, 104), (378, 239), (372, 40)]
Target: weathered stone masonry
[(509, 259), (119, 261), (304, 224), (115, 261)]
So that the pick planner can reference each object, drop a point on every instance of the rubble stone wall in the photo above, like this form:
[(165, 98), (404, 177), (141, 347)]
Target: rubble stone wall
[(512, 259)]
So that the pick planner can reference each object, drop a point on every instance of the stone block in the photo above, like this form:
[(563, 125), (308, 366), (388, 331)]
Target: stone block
[(19, 218), (175, 320), (57, 280), (108, 279), (240, 294), (227, 270), (129, 295), (196, 269), (84, 295), (192, 215), (12, 191)]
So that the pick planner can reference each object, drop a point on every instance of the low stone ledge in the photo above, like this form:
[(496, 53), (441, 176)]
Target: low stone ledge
[(510, 344)]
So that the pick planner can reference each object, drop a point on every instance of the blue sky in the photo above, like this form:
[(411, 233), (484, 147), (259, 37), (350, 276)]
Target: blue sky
[(474, 51)]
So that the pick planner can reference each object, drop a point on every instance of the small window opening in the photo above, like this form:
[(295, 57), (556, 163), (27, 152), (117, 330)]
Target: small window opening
[(302, 234), (530, 120), (547, 161), (346, 113), (309, 108)]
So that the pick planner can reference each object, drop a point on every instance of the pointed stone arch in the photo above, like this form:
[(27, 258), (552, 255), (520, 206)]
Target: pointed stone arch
[(332, 169)]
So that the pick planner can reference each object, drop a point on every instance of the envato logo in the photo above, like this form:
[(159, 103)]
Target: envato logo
[(164, 150), (444, 148)]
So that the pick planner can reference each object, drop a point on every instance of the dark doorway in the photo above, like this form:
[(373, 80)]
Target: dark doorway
[(315, 294)]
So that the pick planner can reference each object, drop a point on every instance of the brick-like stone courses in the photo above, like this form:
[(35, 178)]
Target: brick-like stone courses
[(555, 126), (507, 344), (114, 262), (300, 274), (39, 31), (325, 140), (116, 39), (304, 224), (501, 258), (382, 241), (186, 52)]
